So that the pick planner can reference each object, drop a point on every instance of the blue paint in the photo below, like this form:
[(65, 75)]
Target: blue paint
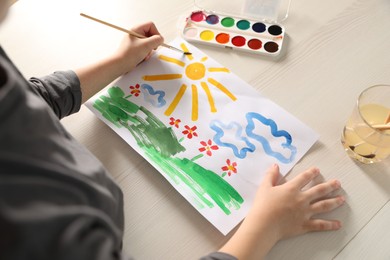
[(258, 27), (155, 98), (251, 116), (220, 128)]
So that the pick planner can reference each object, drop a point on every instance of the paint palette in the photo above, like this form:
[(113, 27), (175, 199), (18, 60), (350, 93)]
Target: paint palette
[(234, 33), (252, 26)]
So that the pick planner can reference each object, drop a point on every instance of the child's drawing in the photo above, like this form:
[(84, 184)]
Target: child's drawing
[(195, 71), (204, 129)]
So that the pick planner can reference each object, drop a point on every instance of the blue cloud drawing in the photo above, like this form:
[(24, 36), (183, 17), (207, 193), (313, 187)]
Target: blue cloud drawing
[(251, 116), (220, 128), (155, 98)]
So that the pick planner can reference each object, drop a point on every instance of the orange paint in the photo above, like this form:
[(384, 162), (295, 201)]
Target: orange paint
[(222, 38)]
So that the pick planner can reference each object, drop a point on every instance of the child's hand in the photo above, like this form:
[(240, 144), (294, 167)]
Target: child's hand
[(282, 211), (289, 209), (133, 50)]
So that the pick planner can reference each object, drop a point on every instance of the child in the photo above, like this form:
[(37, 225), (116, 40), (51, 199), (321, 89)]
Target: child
[(58, 202)]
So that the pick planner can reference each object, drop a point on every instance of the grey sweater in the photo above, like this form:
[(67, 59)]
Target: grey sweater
[(56, 199)]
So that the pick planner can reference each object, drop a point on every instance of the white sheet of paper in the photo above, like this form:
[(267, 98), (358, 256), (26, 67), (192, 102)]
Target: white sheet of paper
[(209, 133)]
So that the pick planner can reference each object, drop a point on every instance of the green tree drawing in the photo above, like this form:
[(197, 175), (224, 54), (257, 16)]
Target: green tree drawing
[(161, 146)]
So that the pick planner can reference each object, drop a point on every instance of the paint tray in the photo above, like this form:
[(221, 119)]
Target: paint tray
[(252, 26)]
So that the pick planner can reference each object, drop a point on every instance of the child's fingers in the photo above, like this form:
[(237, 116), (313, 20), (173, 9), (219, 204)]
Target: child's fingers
[(272, 176), (323, 189), (154, 41), (327, 205), (322, 225), (305, 177), (147, 29), (148, 56)]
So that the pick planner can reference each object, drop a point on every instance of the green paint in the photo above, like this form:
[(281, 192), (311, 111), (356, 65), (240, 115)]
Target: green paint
[(204, 183), (197, 157), (243, 24), (129, 96), (162, 139), (181, 139), (117, 96), (160, 144), (116, 92), (227, 22), (115, 108), (152, 119), (110, 112), (224, 174), (223, 194)]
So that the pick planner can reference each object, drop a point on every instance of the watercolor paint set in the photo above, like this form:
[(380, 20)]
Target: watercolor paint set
[(255, 29)]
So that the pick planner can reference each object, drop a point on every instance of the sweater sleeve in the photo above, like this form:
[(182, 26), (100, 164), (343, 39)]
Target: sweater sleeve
[(60, 90), (45, 214), (218, 256)]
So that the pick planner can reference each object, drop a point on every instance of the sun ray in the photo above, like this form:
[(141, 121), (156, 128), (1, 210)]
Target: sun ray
[(195, 103), (172, 60), (222, 88), (195, 71), (218, 70), (185, 49), (210, 98), (162, 77), (176, 100)]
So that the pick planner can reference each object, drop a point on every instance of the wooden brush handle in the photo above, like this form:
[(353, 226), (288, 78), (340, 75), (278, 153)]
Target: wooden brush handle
[(132, 33)]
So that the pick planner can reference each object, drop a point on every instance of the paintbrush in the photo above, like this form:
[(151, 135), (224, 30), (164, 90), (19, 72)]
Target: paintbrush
[(385, 126), (132, 33)]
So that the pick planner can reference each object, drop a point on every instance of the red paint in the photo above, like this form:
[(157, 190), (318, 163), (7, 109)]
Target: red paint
[(238, 41), (198, 16), (255, 44)]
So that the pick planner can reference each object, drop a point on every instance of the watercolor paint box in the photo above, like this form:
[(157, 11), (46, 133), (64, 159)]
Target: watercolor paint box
[(251, 26)]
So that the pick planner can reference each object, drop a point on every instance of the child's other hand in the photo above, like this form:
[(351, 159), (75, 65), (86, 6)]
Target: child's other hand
[(289, 209), (133, 50), (282, 211)]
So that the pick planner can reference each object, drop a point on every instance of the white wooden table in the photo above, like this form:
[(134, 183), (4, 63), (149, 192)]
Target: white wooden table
[(335, 49)]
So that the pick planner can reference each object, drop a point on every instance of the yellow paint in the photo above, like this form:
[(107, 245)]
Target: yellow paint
[(162, 77), (207, 35), (206, 89), (222, 88), (185, 49), (204, 59), (172, 60), (218, 70), (195, 103), (176, 100), (195, 71)]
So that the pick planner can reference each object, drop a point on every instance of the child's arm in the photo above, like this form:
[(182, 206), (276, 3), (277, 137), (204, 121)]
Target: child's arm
[(282, 211), (131, 52)]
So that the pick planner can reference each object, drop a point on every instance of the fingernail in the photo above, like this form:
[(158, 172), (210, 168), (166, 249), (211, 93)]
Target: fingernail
[(339, 225), (316, 171), (275, 165)]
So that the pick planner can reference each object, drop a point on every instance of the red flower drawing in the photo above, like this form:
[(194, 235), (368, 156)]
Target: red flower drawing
[(190, 131), (174, 122), (230, 167), (208, 147), (135, 90)]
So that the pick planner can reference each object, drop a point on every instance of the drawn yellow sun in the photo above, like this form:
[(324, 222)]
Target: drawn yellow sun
[(195, 71)]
